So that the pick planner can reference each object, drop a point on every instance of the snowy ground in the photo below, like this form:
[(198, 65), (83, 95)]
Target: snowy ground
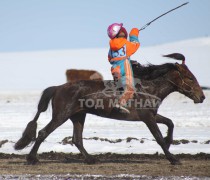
[(24, 75), (192, 122)]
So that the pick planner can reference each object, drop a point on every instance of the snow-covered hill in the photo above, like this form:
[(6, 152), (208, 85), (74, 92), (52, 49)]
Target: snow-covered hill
[(38, 70)]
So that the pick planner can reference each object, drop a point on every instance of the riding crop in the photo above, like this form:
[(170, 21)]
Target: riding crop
[(161, 16)]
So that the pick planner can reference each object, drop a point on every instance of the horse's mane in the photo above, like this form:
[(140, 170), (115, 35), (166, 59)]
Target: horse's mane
[(150, 71)]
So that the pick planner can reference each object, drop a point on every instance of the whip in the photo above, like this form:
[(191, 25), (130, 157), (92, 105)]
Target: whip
[(162, 15)]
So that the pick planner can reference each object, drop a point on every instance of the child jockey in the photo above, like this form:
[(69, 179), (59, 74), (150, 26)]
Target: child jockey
[(119, 56)]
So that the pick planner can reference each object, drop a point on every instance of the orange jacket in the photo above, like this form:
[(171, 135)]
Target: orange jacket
[(121, 48)]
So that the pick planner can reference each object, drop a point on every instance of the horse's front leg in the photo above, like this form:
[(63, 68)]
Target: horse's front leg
[(168, 122), (150, 121)]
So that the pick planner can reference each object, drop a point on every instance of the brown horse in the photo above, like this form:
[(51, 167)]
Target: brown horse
[(74, 100), (73, 75)]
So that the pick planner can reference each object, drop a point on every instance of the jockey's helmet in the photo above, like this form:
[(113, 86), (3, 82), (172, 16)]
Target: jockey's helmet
[(116, 28)]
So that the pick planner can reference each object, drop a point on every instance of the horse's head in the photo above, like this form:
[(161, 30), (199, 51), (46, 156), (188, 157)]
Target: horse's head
[(185, 81)]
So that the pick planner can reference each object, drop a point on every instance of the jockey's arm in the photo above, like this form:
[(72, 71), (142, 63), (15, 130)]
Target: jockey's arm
[(109, 55), (133, 44)]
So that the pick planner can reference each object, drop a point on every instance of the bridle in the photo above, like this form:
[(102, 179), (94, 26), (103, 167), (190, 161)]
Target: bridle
[(182, 85)]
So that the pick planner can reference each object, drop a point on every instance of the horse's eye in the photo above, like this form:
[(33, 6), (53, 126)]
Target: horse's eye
[(190, 78)]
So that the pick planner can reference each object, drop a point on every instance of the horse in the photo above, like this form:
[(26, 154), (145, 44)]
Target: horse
[(73, 75), (74, 100)]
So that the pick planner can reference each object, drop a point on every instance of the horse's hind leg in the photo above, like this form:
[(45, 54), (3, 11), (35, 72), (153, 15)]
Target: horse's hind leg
[(78, 121), (42, 135), (168, 122)]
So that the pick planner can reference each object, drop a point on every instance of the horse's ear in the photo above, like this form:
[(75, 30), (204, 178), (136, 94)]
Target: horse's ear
[(178, 66)]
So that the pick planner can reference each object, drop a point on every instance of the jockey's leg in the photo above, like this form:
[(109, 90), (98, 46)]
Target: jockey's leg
[(128, 82), (123, 73), (115, 70)]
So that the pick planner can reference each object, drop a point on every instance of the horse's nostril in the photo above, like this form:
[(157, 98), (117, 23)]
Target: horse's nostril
[(202, 98)]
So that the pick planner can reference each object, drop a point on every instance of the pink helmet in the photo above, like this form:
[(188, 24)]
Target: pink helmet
[(114, 29)]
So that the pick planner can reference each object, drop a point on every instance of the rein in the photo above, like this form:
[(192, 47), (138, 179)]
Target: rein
[(183, 83)]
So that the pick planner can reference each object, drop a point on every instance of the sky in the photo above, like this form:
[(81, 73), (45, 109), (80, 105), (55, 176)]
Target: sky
[(71, 24)]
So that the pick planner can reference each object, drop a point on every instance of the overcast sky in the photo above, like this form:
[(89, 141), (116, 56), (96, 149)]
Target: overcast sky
[(65, 24)]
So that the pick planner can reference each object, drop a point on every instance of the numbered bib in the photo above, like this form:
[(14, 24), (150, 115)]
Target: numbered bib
[(120, 53)]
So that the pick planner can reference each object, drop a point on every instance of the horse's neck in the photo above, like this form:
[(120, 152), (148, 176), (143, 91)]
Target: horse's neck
[(159, 87)]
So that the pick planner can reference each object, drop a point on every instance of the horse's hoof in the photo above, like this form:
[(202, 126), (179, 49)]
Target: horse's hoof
[(90, 160), (177, 162), (32, 160)]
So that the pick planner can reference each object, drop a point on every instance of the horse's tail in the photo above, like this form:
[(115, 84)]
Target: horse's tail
[(29, 133)]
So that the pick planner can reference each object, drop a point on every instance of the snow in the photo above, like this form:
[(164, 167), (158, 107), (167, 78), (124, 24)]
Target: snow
[(192, 122), (25, 74)]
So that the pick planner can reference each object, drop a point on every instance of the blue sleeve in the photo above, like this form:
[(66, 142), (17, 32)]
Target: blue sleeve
[(134, 39)]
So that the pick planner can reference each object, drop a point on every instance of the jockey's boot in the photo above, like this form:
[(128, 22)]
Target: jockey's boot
[(121, 109)]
